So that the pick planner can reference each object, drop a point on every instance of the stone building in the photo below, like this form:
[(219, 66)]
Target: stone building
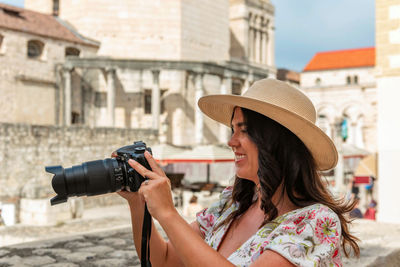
[(81, 78), (388, 80), (342, 86), (156, 58), (31, 46)]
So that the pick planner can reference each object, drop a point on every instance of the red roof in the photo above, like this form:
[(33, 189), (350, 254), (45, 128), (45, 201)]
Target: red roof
[(351, 58), (36, 23)]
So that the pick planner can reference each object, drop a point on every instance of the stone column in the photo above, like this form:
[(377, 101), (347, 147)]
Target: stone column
[(251, 44), (257, 46), (155, 99), (249, 38), (271, 46), (226, 88), (67, 96), (264, 48), (111, 96), (247, 82), (199, 119)]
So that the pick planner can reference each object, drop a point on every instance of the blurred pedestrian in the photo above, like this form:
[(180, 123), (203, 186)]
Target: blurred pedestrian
[(193, 208), (356, 212), (370, 213)]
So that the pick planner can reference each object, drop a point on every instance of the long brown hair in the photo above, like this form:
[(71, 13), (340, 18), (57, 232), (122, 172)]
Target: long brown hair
[(282, 154)]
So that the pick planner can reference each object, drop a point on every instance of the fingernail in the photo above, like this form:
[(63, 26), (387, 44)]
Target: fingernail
[(131, 161), (148, 153)]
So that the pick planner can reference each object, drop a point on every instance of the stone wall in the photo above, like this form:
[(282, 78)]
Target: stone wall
[(26, 149), (28, 85)]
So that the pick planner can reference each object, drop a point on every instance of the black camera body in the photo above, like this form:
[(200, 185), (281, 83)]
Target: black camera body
[(100, 176)]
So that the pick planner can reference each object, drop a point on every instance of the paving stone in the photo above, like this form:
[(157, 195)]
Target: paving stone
[(3, 252), (115, 242), (51, 251), (38, 260), (78, 244), (123, 254), (111, 263), (61, 264), (14, 260), (79, 256), (97, 249)]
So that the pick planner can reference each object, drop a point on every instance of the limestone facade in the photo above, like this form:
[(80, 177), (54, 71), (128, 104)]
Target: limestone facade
[(388, 80), (29, 92), (350, 94), (163, 56)]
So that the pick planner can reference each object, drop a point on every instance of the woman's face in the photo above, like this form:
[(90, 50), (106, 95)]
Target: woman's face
[(246, 152)]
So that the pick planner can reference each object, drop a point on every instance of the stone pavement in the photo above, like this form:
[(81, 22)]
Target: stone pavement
[(104, 238)]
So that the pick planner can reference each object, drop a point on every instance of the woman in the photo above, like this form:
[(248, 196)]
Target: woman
[(278, 211)]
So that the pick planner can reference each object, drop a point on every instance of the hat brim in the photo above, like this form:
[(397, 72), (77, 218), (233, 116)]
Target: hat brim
[(220, 108)]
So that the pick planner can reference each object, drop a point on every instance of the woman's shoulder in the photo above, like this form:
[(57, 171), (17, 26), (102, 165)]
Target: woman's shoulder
[(307, 235), (311, 212)]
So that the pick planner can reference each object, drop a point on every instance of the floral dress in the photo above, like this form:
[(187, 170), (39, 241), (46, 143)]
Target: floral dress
[(308, 236)]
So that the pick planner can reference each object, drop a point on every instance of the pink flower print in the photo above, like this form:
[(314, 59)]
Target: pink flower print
[(336, 258), (326, 231), (209, 219), (300, 224), (311, 214), (298, 220)]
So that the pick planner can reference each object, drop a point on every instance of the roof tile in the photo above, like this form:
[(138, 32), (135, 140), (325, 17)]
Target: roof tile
[(350, 58), (36, 23)]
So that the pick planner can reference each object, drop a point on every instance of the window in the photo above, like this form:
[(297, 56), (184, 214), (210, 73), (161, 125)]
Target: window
[(147, 101), (35, 48), (317, 81), (75, 117), (72, 51), (1, 43), (348, 80), (56, 7), (355, 79), (237, 87)]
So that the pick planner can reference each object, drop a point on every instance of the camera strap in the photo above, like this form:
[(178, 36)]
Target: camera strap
[(146, 233)]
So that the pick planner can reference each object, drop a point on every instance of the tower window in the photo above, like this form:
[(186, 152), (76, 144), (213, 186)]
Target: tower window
[(56, 7), (348, 80), (355, 79), (72, 51), (318, 81), (1, 42), (35, 48)]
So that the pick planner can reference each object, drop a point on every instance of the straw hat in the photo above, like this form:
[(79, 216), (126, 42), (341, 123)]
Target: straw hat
[(284, 104)]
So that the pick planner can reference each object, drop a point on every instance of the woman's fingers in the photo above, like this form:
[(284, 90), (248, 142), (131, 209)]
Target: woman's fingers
[(143, 171), (153, 164)]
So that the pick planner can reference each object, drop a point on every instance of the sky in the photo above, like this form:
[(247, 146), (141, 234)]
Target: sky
[(305, 27)]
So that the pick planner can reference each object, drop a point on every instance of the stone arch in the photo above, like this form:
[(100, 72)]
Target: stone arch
[(326, 114), (355, 117)]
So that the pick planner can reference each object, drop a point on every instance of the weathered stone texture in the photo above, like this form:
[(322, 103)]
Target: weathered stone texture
[(26, 149), (28, 86)]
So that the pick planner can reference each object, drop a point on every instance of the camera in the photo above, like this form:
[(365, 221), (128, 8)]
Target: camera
[(100, 176)]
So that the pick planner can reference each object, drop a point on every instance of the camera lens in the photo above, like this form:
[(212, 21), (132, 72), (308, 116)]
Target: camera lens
[(90, 178)]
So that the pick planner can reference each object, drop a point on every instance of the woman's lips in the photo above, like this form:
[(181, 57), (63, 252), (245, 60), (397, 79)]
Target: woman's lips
[(239, 157)]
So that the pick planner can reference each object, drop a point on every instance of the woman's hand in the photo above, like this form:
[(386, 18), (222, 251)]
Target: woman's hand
[(156, 191)]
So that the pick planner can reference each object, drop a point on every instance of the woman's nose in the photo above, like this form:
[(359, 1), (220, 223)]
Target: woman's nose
[(233, 142)]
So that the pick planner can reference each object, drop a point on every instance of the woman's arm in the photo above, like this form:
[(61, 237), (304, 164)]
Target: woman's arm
[(162, 253), (185, 243)]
